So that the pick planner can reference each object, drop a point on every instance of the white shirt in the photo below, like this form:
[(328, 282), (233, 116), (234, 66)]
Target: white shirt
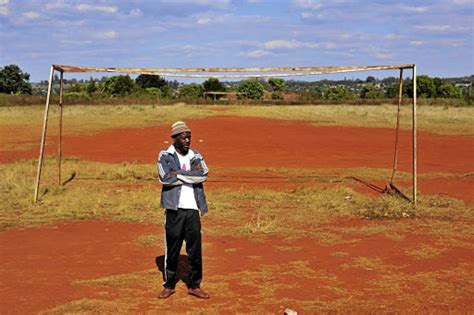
[(186, 199)]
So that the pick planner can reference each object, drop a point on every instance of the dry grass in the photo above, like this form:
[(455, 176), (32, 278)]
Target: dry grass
[(392, 289), (129, 192), (80, 119), (439, 120), (148, 240), (425, 252), (92, 306)]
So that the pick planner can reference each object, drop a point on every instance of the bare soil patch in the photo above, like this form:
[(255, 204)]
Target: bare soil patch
[(42, 266), (256, 142), (237, 141)]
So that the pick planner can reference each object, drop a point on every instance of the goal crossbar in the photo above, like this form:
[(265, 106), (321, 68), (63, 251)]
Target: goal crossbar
[(217, 72)]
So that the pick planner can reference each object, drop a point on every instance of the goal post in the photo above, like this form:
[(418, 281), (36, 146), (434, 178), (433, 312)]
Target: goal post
[(219, 72)]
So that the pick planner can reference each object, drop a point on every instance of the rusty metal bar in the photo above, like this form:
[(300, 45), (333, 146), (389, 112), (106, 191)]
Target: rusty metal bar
[(176, 71), (414, 138), (397, 129), (43, 135), (60, 144)]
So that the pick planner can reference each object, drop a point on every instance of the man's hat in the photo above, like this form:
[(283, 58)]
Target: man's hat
[(179, 127)]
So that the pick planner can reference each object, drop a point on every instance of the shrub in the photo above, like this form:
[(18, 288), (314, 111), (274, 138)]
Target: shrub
[(251, 89), (120, 85), (191, 91)]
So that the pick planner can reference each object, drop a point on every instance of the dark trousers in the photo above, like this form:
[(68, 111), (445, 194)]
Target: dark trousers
[(183, 224)]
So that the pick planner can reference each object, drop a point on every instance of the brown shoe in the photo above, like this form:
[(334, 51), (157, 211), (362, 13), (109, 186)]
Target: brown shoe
[(199, 293), (166, 293)]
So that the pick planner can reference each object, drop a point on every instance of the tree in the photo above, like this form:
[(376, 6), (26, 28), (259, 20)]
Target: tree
[(148, 80), (76, 88), (437, 82), (251, 89), (370, 91), (91, 87), (449, 90), (337, 93), (166, 91), (278, 86), (213, 85), (14, 80), (370, 79), (119, 85), (425, 87), (392, 90), (191, 91)]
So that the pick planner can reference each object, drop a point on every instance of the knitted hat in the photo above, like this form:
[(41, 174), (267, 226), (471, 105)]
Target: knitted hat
[(179, 127)]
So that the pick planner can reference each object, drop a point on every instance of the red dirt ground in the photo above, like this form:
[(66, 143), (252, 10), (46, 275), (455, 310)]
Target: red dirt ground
[(37, 270), (38, 264), (236, 141)]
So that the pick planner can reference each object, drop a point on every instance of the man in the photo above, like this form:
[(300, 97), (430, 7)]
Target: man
[(182, 171)]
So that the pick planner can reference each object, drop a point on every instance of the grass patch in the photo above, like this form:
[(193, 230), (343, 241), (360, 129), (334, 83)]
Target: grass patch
[(439, 120), (340, 254), (148, 240), (366, 263), (425, 252), (439, 290), (80, 119), (130, 192), (123, 280), (92, 306)]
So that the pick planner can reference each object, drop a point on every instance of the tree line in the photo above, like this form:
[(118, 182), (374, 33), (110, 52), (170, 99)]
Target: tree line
[(14, 81)]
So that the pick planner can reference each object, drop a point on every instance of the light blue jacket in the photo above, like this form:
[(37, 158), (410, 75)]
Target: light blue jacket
[(168, 161)]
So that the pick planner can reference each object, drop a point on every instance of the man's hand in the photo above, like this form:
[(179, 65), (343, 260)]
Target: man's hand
[(198, 168), (173, 173)]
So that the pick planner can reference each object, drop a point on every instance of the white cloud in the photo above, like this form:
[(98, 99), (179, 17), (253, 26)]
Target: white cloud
[(462, 2), (214, 3), (330, 45), (99, 8), (31, 15), (307, 15), (413, 8), (383, 55), (316, 4), (417, 42), (255, 53), (433, 27), (106, 35), (203, 21), (378, 53), (55, 5), (453, 42), (288, 44), (70, 42), (308, 4), (392, 37), (136, 13)]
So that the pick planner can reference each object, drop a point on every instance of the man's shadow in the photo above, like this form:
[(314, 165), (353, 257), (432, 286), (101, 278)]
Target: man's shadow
[(182, 273)]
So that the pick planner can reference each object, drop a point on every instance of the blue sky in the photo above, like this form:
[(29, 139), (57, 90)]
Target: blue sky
[(436, 35)]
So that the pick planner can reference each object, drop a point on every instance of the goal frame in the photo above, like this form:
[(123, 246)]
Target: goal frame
[(218, 72)]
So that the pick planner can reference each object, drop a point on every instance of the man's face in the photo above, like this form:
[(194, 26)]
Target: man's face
[(182, 142)]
